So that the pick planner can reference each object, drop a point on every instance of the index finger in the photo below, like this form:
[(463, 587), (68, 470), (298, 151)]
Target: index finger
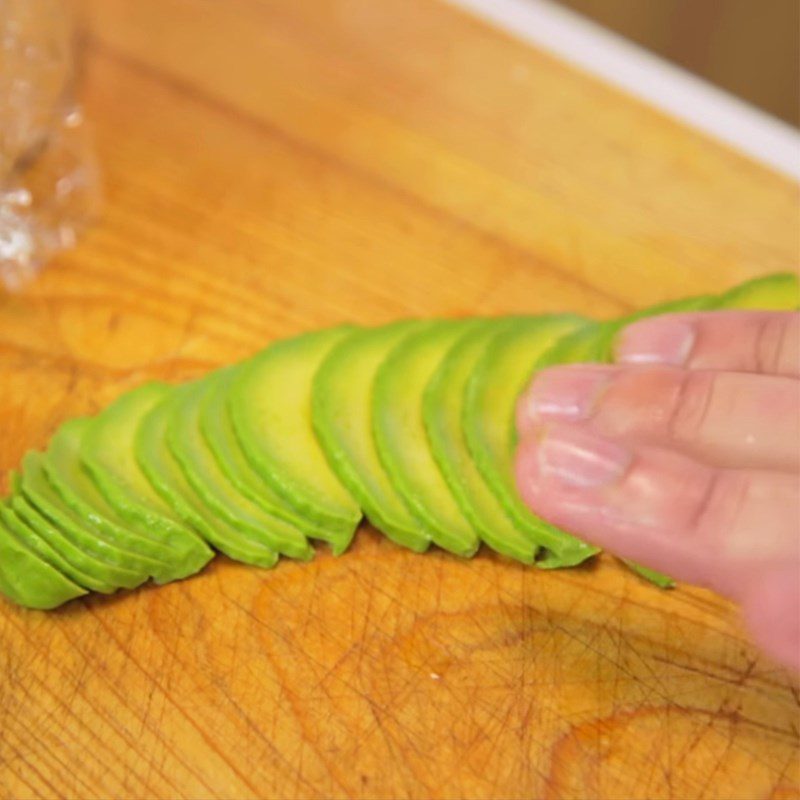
[(766, 342)]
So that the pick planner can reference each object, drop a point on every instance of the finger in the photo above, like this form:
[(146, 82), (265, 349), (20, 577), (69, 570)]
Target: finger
[(730, 418), (771, 608), (660, 508), (767, 342)]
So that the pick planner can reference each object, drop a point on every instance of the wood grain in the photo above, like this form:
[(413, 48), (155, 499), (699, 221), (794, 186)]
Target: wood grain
[(273, 167)]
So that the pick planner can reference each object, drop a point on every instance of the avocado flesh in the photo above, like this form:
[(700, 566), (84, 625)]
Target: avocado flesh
[(77, 565), (55, 556), (27, 579), (502, 373), (165, 475), (270, 406), (76, 489), (120, 568), (220, 436), (35, 543), (209, 482), (402, 442), (342, 419), (779, 292), (443, 406), (107, 453)]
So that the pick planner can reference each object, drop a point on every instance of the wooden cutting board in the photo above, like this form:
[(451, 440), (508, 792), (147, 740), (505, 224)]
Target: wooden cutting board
[(275, 166)]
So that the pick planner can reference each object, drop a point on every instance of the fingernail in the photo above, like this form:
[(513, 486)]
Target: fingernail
[(578, 459), (655, 341), (563, 393)]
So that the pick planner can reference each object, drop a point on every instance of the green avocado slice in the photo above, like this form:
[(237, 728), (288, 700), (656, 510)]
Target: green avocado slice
[(169, 560), (167, 479), (777, 292), (270, 406), (443, 407), (491, 395), (35, 543), (77, 565), (577, 346), (120, 567), (341, 415), (218, 431), (107, 453), (27, 579), (402, 442), (204, 475)]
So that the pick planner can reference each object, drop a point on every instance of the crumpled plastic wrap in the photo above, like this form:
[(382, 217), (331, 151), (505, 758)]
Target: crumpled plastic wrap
[(49, 187)]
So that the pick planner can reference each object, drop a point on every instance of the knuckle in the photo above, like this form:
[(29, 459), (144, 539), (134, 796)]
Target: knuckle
[(687, 414)]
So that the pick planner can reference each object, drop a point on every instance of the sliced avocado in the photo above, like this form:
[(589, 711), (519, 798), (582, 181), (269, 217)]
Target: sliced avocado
[(270, 406), (36, 544), (778, 292), (578, 346), (658, 578), (169, 560), (500, 376), (78, 566), (402, 442), (217, 429), (342, 418), (165, 475), (122, 568), (107, 453), (27, 579), (443, 405), (209, 482)]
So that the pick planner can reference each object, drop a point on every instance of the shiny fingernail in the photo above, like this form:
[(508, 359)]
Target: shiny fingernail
[(577, 458), (656, 341), (565, 393)]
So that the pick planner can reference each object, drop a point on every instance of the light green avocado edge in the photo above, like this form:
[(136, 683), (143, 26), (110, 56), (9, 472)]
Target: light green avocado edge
[(220, 436), (270, 407), (164, 473), (443, 405), (109, 563), (207, 479), (341, 412), (402, 442), (492, 391), (76, 490), (25, 577), (176, 554), (107, 453)]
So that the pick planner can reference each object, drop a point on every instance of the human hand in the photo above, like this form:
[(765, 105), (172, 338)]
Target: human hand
[(683, 456)]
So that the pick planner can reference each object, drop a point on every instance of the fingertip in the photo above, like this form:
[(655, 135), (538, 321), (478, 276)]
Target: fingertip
[(564, 393), (665, 340), (635, 502), (562, 470)]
